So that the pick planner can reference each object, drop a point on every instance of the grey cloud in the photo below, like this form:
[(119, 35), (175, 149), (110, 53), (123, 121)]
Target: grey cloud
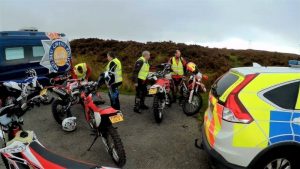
[(155, 20)]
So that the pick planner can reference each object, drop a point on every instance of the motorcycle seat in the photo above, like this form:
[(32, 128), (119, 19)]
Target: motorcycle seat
[(97, 100), (50, 160)]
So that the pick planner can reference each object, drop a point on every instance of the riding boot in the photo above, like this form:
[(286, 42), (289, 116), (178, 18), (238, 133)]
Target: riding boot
[(137, 106), (142, 105)]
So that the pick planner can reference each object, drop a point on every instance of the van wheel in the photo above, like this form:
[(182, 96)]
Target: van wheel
[(278, 160)]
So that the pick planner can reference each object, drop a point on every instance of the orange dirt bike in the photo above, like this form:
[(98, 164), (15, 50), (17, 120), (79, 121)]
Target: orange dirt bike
[(191, 90)]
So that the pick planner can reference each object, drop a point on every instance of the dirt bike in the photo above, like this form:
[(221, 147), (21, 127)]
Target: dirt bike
[(22, 149), (101, 120), (161, 92), (67, 96), (191, 91), (30, 86)]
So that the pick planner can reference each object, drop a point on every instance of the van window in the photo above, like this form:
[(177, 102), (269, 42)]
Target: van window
[(14, 53), (220, 86), (38, 51), (284, 96)]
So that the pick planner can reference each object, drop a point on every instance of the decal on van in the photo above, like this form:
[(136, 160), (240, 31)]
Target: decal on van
[(57, 57)]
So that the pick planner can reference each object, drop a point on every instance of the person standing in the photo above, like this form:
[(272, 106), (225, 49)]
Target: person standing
[(81, 71), (140, 73), (114, 69), (178, 64)]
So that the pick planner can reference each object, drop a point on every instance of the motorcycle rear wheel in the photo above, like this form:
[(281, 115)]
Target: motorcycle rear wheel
[(115, 146), (157, 111), (194, 107)]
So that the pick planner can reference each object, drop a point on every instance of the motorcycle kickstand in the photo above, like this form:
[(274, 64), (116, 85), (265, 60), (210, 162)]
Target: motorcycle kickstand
[(95, 139)]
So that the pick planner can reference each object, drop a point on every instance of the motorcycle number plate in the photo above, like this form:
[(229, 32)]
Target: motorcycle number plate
[(153, 91), (116, 118), (43, 92)]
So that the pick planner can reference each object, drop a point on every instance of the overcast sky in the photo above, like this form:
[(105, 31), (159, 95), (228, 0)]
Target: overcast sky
[(258, 24)]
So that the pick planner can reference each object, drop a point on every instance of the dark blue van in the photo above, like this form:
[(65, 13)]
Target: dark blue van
[(19, 51)]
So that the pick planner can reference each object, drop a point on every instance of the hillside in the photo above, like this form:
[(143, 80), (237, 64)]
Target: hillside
[(212, 61)]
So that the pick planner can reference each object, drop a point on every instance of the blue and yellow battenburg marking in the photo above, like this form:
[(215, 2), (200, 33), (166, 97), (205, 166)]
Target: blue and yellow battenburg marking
[(282, 127)]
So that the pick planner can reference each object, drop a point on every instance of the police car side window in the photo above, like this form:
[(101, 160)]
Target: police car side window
[(14, 53), (284, 96)]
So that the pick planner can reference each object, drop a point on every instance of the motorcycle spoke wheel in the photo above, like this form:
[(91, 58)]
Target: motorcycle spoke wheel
[(193, 107), (114, 146)]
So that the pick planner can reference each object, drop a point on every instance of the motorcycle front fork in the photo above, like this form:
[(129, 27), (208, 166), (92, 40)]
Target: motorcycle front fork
[(191, 96)]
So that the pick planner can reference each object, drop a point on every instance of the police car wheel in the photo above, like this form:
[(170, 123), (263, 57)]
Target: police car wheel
[(278, 160), (281, 163)]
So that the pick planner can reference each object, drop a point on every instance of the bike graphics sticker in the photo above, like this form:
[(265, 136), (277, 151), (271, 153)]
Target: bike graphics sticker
[(57, 57)]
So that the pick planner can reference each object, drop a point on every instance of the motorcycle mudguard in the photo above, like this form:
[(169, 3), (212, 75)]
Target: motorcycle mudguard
[(107, 110)]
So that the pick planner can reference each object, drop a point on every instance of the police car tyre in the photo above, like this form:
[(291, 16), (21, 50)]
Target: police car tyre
[(115, 145), (279, 159), (59, 116), (196, 108), (158, 114)]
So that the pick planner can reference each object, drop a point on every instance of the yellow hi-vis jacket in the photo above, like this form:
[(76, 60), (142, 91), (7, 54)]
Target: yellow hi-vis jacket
[(118, 70), (177, 67), (143, 73)]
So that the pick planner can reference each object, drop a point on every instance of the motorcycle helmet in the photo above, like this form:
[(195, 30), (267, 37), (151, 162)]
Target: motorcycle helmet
[(69, 124), (191, 67)]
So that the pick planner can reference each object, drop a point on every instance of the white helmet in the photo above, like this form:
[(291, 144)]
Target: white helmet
[(69, 124)]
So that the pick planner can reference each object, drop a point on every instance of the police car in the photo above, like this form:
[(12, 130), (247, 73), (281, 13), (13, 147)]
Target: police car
[(253, 118)]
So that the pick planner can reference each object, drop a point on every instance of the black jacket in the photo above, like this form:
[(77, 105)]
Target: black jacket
[(137, 67)]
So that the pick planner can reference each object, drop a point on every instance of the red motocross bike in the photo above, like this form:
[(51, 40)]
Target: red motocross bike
[(101, 120), (22, 149), (161, 91)]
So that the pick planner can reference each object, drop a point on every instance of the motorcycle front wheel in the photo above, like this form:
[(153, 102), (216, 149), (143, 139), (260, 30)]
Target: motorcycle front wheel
[(114, 146), (58, 111), (157, 109), (194, 107)]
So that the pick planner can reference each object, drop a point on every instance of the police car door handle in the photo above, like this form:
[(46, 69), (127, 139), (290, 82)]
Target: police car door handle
[(296, 121)]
